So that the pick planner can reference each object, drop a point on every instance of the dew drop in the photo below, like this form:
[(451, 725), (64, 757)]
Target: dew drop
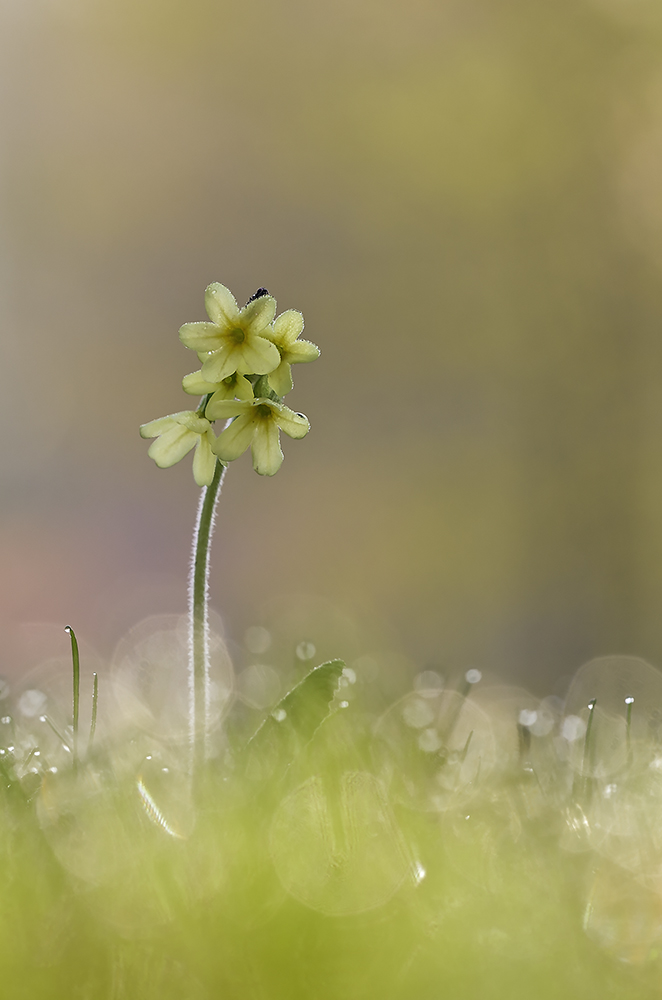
[(305, 650), (429, 741), (428, 683), (419, 872), (572, 728), (257, 639), (417, 713), (32, 702)]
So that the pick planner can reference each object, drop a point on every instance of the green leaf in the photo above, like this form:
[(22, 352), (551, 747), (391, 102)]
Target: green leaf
[(294, 720)]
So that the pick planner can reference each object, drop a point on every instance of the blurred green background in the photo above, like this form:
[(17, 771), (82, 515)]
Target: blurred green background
[(464, 199)]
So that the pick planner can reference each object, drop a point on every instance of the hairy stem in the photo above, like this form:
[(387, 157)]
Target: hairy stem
[(199, 618)]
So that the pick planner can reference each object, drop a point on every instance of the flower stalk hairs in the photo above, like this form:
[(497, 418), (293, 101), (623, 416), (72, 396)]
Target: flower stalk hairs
[(246, 356)]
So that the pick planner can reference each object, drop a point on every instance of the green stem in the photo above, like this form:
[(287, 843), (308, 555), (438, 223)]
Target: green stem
[(199, 618), (76, 665), (95, 705)]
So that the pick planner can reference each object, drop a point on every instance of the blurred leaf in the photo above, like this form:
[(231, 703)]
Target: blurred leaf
[(294, 720)]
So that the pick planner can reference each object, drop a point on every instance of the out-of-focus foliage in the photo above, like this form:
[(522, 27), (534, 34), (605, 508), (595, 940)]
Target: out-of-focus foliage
[(462, 196), (468, 841)]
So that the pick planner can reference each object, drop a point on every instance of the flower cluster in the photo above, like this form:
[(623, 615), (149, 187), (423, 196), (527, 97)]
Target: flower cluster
[(246, 360)]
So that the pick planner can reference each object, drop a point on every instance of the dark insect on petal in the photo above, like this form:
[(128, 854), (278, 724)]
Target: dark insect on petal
[(258, 294)]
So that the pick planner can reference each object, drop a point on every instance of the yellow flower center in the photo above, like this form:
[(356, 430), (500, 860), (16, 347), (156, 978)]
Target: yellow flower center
[(238, 336)]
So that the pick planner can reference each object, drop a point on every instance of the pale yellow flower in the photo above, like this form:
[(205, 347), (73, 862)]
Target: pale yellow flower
[(258, 424), (235, 339), (284, 333), (233, 385), (175, 435)]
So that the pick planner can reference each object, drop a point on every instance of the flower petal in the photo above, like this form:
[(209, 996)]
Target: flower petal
[(218, 409), (222, 363), (243, 388), (280, 380), (191, 421), (204, 461), (258, 356), (155, 427), (196, 385), (221, 305), (286, 328), (233, 385), (267, 456), (301, 351), (201, 336), (171, 447), (235, 439), (257, 315), (187, 418), (296, 425)]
